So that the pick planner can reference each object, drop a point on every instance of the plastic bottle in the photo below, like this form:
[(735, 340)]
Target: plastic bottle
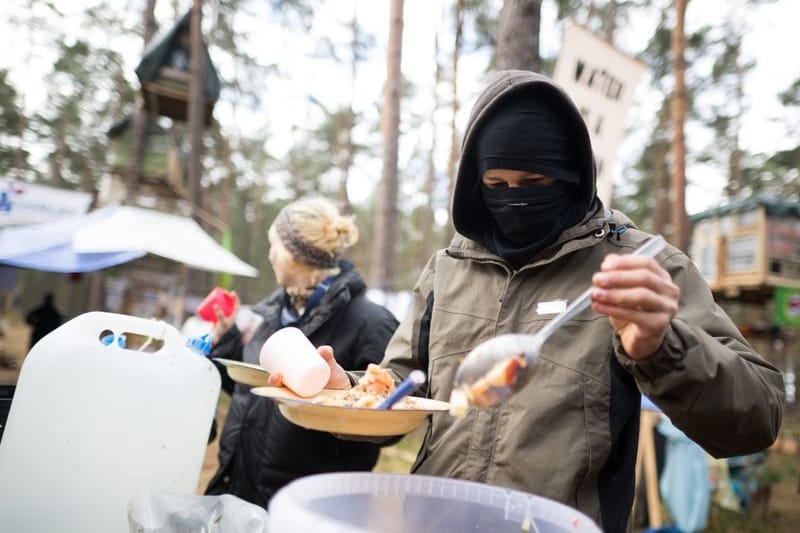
[(201, 345), (289, 352), (220, 297)]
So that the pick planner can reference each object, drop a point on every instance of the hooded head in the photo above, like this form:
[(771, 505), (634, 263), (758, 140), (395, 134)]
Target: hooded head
[(524, 122)]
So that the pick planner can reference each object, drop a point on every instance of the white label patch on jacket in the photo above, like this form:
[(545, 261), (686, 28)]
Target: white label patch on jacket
[(551, 308)]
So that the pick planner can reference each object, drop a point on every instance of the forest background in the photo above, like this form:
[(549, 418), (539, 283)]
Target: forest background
[(307, 88)]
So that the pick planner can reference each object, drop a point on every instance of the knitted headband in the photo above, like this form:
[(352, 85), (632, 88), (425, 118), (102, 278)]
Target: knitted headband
[(299, 248)]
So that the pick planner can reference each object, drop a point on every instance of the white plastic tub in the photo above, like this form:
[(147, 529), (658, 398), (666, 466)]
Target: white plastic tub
[(400, 503)]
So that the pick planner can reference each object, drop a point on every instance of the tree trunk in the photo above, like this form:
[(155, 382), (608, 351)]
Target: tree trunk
[(383, 244), (518, 35), (196, 126), (344, 137), (680, 224), (660, 188), (427, 220), (590, 11), (735, 180), (660, 182), (58, 158), (455, 137), (140, 115), (197, 97), (257, 198), (226, 186), (611, 21), (344, 155), (20, 157)]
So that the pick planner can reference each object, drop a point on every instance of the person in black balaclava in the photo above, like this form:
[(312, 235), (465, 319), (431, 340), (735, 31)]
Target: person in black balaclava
[(531, 237), (530, 136)]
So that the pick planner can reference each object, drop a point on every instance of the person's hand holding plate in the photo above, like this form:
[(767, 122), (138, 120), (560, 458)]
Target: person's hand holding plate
[(338, 379)]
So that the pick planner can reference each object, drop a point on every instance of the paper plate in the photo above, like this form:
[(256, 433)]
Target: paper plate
[(350, 420), (245, 373)]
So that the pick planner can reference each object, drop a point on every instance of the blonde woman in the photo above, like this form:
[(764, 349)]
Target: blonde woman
[(324, 296)]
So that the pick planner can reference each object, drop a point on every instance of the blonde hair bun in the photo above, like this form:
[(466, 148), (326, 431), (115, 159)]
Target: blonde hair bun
[(317, 221)]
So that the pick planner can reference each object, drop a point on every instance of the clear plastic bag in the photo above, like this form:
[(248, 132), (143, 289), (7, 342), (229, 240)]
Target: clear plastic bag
[(166, 512)]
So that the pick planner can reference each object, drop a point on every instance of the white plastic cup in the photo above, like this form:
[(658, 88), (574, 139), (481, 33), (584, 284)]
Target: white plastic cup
[(289, 352)]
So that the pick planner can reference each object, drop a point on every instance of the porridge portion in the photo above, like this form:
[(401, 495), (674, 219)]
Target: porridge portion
[(375, 385)]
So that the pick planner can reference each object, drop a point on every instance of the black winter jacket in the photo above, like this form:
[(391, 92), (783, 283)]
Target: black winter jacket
[(261, 451)]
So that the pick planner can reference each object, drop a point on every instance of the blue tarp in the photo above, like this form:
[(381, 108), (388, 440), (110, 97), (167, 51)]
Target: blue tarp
[(685, 482), (63, 259), (48, 247), (114, 235)]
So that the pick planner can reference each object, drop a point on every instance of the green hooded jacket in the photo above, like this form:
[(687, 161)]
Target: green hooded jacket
[(570, 431)]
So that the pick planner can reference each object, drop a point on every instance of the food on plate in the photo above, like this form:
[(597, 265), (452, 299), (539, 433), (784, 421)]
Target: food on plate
[(488, 389), (375, 385)]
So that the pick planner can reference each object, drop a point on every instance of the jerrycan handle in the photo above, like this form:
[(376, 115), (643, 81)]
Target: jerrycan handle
[(91, 325)]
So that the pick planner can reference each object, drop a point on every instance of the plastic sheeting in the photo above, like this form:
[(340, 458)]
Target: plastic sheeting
[(48, 246), (165, 512), (172, 236), (114, 235), (685, 483)]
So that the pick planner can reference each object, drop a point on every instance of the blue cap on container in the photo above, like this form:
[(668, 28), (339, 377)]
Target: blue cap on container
[(201, 345), (108, 340)]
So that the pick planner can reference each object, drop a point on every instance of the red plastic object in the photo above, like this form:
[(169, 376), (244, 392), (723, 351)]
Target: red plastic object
[(217, 296)]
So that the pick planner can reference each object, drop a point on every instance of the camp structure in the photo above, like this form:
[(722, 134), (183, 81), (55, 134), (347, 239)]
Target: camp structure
[(164, 74), (749, 252), (162, 177), (747, 247)]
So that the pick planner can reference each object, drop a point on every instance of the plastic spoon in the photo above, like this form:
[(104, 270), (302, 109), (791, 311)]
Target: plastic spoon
[(414, 380), (487, 374)]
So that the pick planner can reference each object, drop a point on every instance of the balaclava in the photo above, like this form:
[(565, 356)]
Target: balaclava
[(530, 132)]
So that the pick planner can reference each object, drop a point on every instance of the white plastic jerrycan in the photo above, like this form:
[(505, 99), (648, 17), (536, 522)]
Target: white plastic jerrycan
[(92, 423)]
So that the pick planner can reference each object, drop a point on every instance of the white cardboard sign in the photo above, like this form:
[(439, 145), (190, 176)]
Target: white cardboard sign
[(601, 80)]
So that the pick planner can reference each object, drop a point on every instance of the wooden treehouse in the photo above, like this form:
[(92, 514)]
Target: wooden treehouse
[(748, 247), (749, 252), (161, 182), (165, 75)]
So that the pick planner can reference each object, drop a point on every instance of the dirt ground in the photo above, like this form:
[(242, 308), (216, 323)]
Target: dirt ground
[(780, 511)]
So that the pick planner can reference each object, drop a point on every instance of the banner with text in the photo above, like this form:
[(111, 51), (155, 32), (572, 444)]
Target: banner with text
[(601, 80), (26, 203)]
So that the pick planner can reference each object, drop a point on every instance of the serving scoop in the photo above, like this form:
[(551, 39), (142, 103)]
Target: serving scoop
[(488, 373)]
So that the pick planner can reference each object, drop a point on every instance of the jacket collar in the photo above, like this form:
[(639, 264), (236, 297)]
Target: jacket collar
[(596, 225), (347, 286)]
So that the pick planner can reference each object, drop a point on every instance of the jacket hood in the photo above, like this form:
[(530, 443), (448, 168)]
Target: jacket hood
[(470, 215)]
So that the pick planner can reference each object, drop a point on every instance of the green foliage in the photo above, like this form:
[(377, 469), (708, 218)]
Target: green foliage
[(791, 96), (11, 124), (85, 88), (480, 21), (777, 174), (10, 114)]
